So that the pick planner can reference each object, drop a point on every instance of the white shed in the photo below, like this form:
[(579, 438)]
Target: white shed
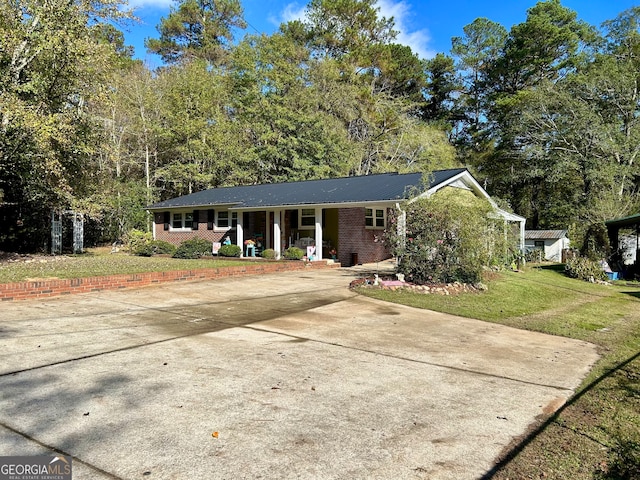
[(551, 242)]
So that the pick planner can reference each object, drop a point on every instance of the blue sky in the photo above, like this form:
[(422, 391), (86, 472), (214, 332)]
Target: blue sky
[(425, 25)]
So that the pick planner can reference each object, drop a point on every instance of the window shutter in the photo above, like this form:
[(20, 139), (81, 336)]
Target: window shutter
[(196, 220), (210, 219), (167, 220)]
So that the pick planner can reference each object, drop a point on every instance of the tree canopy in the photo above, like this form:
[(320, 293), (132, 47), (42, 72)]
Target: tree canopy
[(545, 113)]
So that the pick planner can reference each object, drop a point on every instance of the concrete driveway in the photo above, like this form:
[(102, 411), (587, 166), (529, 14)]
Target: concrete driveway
[(283, 376)]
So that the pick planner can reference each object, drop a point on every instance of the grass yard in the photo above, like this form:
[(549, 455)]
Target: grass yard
[(97, 262), (596, 435)]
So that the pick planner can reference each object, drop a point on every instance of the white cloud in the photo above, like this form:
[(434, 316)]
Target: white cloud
[(291, 11), (418, 40), (150, 3)]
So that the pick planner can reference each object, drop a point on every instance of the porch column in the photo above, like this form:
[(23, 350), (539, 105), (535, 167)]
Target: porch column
[(318, 233), (401, 228), (267, 238), (277, 243), (240, 233), (522, 235)]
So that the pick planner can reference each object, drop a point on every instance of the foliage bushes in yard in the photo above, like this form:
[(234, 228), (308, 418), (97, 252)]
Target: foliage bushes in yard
[(193, 248), (269, 253), (142, 244), (450, 237), (135, 240), (584, 269), (154, 247), (229, 251), (293, 253)]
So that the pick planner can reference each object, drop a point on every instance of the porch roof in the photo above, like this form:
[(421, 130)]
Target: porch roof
[(629, 221), (372, 189)]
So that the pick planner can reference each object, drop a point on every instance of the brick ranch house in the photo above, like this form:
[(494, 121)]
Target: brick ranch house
[(346, 215)]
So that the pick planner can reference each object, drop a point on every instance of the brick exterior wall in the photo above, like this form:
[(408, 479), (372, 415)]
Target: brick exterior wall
[(177, 238), (54, 288), (353, 237)]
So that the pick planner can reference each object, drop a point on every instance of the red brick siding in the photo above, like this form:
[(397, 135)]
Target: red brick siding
[(53, 288), (353, 237), (178, 237)]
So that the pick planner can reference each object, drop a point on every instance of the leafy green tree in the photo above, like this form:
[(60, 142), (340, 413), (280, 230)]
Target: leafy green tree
[(53, 64), (441, 87), (574, 146), (339, 28), (548, 45), (290, 133), (476, 52), (201, 142), (198, 29)]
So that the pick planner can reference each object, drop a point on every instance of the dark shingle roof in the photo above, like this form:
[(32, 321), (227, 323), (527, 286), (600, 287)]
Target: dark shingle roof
[(369, 188)]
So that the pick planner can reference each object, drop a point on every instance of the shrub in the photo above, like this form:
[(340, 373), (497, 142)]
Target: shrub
[(450, 237), (584, 269), (293, 253), (143, 250), (229, 251), (160, 247), (269, 253), (193, 248), (154, 247), (137, 239), (596, 242), (535, 255)]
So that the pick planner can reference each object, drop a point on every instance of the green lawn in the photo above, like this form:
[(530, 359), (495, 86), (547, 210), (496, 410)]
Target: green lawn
[(95, 263), (597, 434)]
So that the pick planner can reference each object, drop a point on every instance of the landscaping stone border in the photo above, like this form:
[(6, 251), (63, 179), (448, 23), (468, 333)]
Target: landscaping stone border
[(56, 287)]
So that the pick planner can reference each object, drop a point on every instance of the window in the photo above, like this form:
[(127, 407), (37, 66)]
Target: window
[(539, 244), (227, 220), (308, 218), (182, 220), (375, 218)]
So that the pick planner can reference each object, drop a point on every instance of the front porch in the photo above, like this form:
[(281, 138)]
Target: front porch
[(283, 228), (342, 232)]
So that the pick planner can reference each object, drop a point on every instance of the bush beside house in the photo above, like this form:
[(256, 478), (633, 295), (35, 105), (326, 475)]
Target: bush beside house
[(229, 251), (193, 248), (450, 237)]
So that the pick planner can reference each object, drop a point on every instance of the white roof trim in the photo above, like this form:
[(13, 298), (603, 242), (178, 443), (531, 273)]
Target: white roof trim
[(512, 217), (462, 180)]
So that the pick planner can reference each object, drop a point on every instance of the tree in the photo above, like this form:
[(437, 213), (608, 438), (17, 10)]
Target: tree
[(476, 52), (198, 29), (52, 65), (441, 87), (339, 28), (550, 45), (288, 120), (545, 47)]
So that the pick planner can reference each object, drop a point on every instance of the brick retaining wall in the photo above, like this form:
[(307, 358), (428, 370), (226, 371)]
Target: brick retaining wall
[(53, 288)]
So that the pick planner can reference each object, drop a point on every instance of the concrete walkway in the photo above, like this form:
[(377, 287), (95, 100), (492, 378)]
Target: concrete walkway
[(275, 376)]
